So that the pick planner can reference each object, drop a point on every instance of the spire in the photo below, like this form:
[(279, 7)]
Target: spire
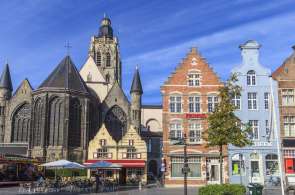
[(136, 83), (106, 29), (5, 79)]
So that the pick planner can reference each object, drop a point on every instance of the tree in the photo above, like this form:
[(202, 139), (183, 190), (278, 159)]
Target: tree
[(224, 126)]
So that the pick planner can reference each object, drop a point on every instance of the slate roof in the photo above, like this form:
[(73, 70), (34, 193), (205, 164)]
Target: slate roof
[(65, 76), (136, 83), (5, 79)]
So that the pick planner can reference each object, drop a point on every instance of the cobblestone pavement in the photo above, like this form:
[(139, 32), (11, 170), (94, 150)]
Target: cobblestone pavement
[(147, 191)]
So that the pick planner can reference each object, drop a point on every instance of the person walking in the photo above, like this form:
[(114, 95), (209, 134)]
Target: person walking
[(97, 182)]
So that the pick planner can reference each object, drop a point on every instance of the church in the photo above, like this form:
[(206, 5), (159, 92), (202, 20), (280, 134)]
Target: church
[(73, 113)]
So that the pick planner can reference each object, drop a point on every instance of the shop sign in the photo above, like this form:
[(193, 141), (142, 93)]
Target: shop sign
[(195, 115), (262, 143)]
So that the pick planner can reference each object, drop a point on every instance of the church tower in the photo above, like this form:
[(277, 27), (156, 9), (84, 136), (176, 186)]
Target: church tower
[(5, 95), (136, 93), (104, 49)]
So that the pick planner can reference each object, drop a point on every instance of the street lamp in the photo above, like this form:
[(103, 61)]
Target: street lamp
[(185, 169)]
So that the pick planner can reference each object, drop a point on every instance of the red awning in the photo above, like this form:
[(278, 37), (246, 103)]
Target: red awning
[(124, 163)]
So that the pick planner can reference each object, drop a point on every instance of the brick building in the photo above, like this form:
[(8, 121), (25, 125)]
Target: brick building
[(285, 75), (189, 95)]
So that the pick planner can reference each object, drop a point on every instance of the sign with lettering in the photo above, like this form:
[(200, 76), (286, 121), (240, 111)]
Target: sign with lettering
[(195, 115), (262, 143)]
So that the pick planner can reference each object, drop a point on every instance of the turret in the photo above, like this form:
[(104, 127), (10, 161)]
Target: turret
[(136, 93), (5, 95)]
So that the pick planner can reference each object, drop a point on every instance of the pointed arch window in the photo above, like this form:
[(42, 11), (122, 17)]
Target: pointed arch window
[(251, 78), (116, 122), (21, 120), (98, 58), (56, 122), (75, 123), (108, 59), (38, 122)]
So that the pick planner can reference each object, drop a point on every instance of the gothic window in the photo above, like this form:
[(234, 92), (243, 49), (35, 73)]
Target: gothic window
[(75, 123), (56, 122), (38, 113), (108, 59), (21, 124), (116, 121), (98, 58)]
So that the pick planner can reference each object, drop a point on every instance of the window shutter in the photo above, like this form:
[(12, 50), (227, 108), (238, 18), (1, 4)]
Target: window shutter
[(109, 155)]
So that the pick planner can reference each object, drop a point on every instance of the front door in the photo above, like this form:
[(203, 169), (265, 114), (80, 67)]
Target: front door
[(214, 176), (254, 172)]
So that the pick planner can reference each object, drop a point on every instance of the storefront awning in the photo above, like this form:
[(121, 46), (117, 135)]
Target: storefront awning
[(123, 163)]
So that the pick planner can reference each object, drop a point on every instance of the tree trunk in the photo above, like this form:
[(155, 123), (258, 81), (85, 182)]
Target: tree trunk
[(220, 163)]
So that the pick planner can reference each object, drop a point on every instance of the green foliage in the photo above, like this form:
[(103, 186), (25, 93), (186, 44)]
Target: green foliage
[(224, 189), (224, 126)]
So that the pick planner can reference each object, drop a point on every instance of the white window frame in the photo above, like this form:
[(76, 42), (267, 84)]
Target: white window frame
[(237, 102), (194, 103), (289, 126), (195, 126), (252, 102), (254, 124), (175, 103), (212, 102), (193, 79), (288, 97), (175, 130), (251, 78)]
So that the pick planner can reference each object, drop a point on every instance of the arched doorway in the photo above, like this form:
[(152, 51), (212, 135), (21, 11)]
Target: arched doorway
[(153, 168)]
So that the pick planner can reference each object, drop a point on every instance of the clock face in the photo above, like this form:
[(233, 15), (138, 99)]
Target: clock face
[(116, 120)]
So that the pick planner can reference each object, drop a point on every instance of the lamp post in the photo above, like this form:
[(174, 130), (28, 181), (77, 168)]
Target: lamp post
[(185, 169)]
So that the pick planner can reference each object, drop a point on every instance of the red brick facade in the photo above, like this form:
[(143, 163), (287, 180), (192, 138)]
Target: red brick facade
[(177, 83), (285, 75)]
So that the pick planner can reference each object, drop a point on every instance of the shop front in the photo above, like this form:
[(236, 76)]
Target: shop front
[(16, 167), (131, 172), (248, 166)]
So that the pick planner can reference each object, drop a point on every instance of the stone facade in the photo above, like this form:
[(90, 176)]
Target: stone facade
[(189, 95), (65, 116)]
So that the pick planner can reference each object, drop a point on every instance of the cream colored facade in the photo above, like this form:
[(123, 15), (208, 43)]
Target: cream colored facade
[(118, 150), (94, 79)]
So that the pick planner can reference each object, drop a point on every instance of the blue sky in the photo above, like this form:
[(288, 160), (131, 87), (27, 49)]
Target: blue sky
[(156, 34)]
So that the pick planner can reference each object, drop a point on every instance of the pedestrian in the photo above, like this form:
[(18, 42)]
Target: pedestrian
[(97, 182)]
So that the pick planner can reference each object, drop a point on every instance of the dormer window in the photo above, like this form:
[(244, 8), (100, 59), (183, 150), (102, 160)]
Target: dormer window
[(251, 78), (193, 79)]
